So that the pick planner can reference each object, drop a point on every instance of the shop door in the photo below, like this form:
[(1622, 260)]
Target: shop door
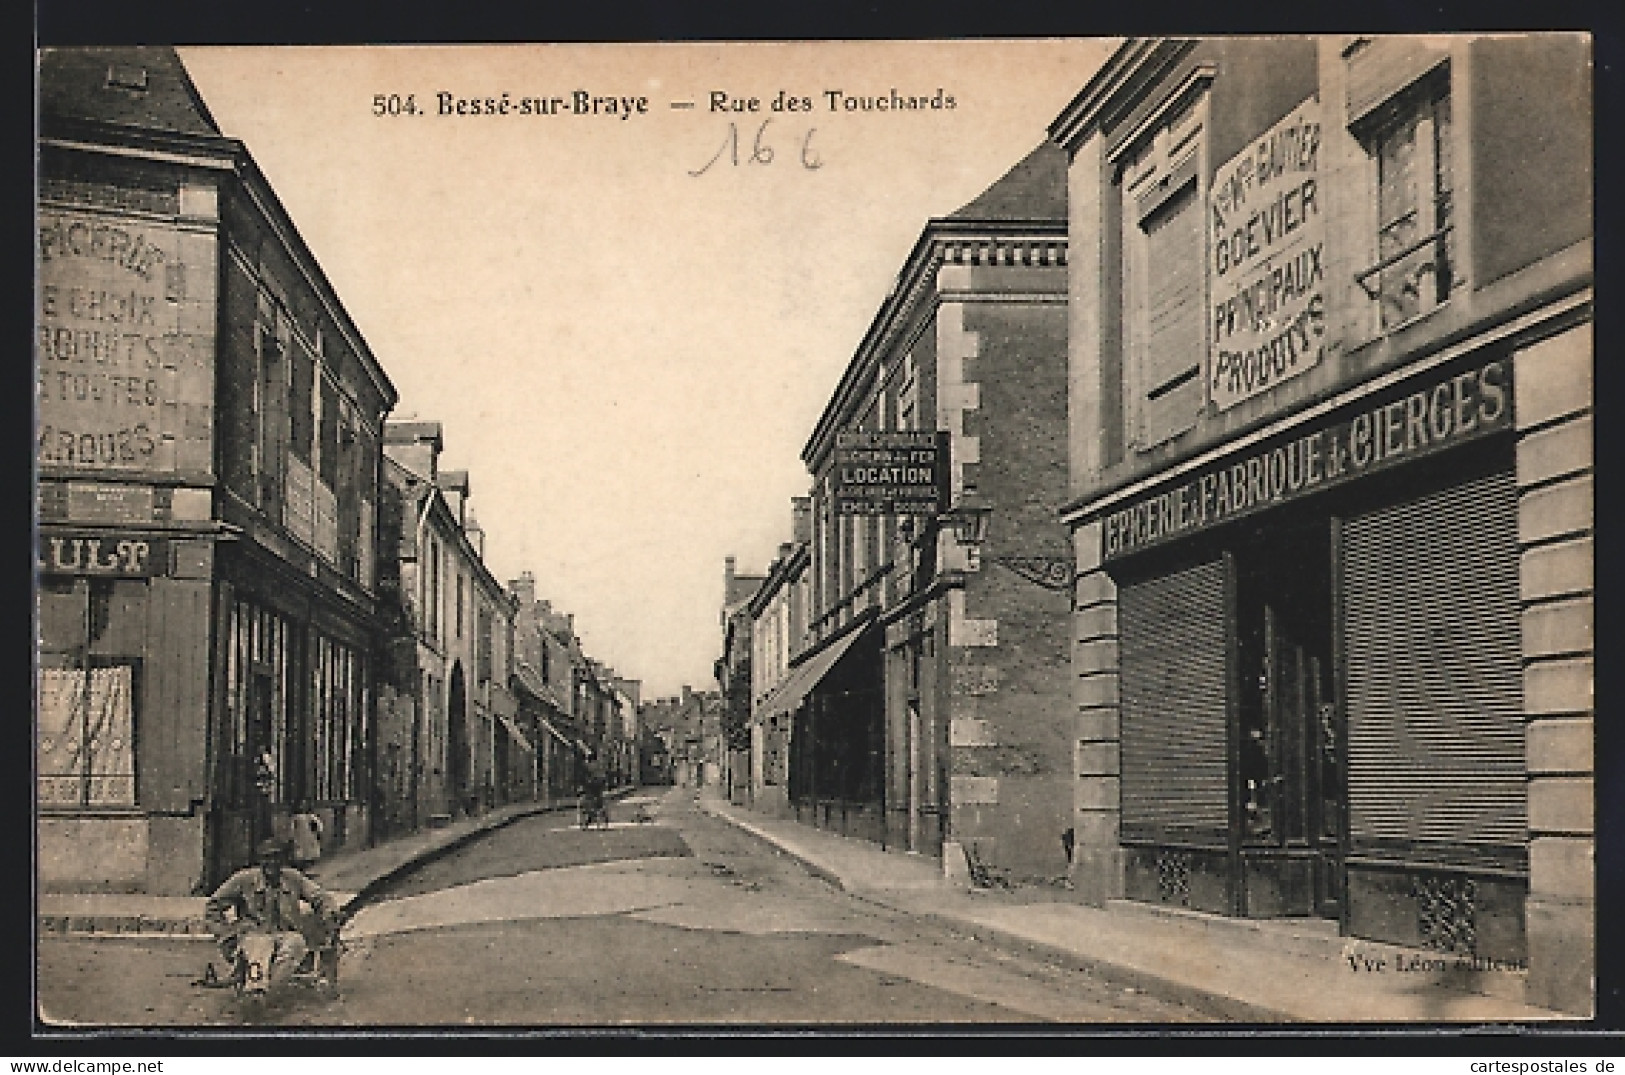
[(1289, 781)]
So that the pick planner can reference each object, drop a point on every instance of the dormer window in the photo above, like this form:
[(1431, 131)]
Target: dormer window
[(127, 77)]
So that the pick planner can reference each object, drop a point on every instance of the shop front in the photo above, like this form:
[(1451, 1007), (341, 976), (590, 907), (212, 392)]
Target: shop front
[(837, 735), (123, 645), (1320, 673)]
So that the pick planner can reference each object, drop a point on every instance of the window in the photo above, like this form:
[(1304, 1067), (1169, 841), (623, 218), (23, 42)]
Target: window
[(482, 646), (340, 704), (459, 613), (1416, 249), (1163, 284), (86, 736), (89, 685), (270, 341)]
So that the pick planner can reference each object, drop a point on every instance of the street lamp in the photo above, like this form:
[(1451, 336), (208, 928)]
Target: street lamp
[(968, 519)]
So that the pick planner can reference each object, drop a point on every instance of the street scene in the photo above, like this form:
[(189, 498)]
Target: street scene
[(1068, 532), (682, 920)]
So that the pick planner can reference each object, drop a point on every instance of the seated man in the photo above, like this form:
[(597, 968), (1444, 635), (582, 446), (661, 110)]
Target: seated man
[(265, 929)]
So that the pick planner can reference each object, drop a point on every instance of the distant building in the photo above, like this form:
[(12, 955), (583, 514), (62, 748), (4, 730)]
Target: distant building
[(733, 674), (209, 421), (450, 714), (543, 691), (778, 614), (1331, 488)]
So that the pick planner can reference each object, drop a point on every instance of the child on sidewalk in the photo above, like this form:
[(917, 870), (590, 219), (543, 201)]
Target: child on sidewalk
[(307, 837)]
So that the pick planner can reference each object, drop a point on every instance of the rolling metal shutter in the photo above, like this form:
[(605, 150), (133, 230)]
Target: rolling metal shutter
[(1175, 757), (1435, 687)]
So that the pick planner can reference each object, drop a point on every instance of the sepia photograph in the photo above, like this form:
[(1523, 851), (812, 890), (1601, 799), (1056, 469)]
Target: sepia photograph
[(1037, 533)]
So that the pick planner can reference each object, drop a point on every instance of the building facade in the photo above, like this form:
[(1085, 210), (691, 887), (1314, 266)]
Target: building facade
[(208, 428), (778, 614), (1331, 488), (929, 711), (449, 735), (734, 678), (544, 690)]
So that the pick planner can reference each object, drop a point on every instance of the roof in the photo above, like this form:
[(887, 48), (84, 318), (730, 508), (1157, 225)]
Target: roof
[(132, 86), (1035, 189)]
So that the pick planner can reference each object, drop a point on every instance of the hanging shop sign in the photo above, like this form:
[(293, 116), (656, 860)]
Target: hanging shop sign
[(107, 553), (1441, 414), (1268, 273), (897, 472)]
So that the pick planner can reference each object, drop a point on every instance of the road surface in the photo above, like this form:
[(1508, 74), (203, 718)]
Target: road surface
[(680, 920)]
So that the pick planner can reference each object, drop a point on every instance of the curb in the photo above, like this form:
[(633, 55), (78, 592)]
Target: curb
[(369, 891), (147, 927), (818, 870), (1220, 1005)]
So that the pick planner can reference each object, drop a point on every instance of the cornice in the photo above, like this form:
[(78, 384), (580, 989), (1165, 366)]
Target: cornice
[(943, 241), (1136, 63)]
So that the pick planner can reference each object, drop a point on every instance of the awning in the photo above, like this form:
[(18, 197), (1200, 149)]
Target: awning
[(565, 740), (804, 678), (514, 730)]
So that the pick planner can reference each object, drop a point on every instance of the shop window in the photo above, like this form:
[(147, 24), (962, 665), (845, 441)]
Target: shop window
[(259, 703), (1409, 140), (89, 690), (87, 736), (340, 703)]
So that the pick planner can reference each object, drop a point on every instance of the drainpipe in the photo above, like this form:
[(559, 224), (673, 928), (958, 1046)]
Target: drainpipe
[(420, 703)]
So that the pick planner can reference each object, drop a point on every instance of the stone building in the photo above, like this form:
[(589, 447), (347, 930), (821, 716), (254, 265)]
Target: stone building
[(930, 707), (1331, 488), (209, 420), (733, 675), (778, 614), (449, 716)]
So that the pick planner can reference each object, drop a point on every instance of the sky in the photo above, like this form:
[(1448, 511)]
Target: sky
[(629, 319)]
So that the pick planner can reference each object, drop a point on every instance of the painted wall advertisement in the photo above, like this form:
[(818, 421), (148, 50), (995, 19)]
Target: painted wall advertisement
[(1268, 278), (111, 350)]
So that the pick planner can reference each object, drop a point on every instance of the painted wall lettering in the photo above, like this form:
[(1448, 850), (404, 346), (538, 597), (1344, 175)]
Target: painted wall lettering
[(1268, 275), (102, 554), (1449, 411), (110, 354)]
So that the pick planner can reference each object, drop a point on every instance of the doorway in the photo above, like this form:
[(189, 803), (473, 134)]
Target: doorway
[(1289, 784), (458, 794)]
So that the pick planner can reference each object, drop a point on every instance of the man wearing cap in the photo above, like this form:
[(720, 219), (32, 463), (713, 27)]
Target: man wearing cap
[(265, 929)]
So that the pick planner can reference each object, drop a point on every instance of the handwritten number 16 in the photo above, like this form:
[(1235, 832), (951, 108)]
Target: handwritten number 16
[(761, 152)]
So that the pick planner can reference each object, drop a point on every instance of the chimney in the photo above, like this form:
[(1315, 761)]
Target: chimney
[(728, 564), (454, 485), (801, 520), (476, 533), (415, 446), (524, 590)]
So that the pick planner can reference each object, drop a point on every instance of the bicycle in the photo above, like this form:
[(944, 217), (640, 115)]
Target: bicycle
[(592, 810)]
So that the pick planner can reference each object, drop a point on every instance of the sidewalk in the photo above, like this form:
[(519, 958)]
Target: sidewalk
[(1249, 970), (350, 874)]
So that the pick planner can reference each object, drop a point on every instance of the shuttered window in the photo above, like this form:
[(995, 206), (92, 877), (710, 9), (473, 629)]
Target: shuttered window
[(1431, 641), (1163, 261), (1172, 687)]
